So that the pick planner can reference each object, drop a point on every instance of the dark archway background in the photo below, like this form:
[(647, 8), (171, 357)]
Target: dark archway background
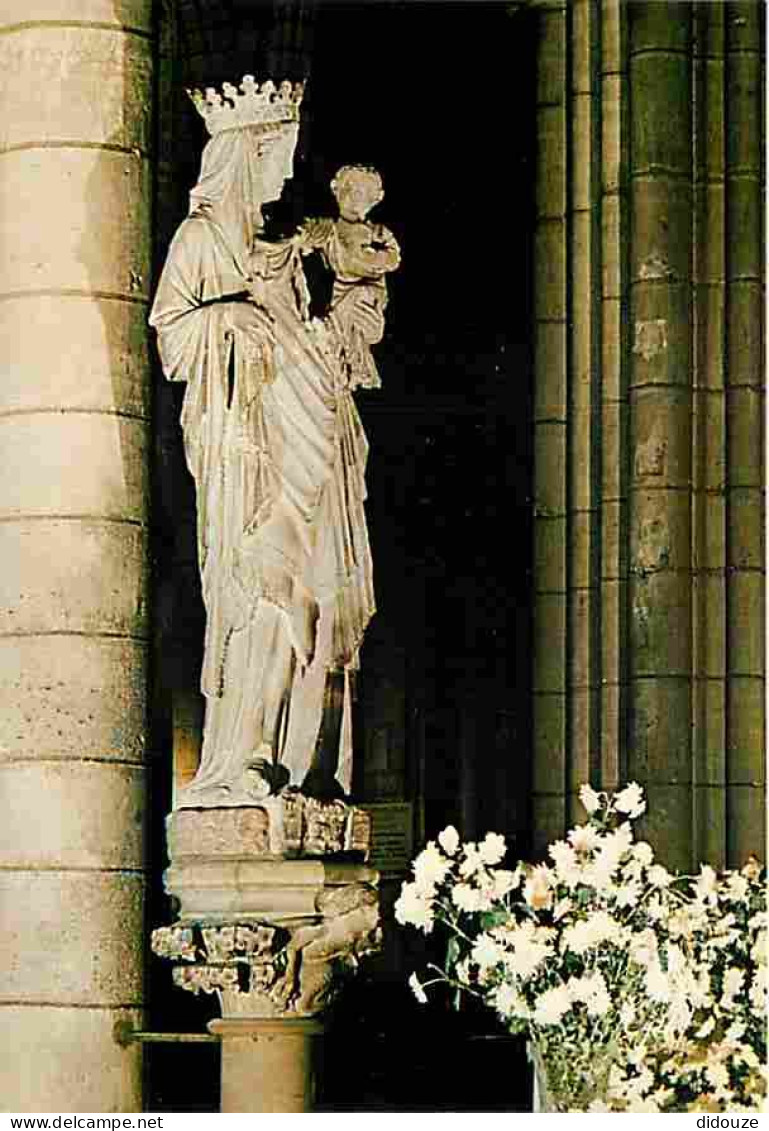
[(439, 97)]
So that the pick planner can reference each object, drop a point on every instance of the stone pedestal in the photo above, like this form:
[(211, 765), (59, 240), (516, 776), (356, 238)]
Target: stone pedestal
[(277, 907)]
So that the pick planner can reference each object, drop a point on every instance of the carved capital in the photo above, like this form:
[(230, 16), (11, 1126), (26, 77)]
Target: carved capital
[(259, 969)]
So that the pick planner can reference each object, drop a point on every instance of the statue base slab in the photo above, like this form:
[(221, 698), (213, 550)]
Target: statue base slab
[(287, 826)]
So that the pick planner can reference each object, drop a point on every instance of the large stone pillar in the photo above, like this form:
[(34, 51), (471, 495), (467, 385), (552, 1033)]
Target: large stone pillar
[(745, 360), (649, 527), (709, 434), (74, 407), (659, 638), (549, 680)]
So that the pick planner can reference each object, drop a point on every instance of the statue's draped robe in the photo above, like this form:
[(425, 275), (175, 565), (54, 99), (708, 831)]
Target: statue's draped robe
[(275, 445)]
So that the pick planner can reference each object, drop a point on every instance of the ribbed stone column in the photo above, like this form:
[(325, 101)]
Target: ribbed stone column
[(75, 232), (584, 399), (709, 439), (745, 416), (615, 351), (649, 532), (660, 397), (549, 681)]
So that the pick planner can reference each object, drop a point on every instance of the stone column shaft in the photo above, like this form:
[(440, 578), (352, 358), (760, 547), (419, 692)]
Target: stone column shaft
[(550, 427), (74, 405), (584, 399), (649, 645), (660, 444), (268, 1066), (614, 390), (709, 438), (744, 424)]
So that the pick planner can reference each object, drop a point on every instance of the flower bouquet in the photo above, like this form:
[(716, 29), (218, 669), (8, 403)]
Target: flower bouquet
[(639, 990)]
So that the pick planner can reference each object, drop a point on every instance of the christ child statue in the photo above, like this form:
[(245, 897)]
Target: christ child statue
[(359, 253)]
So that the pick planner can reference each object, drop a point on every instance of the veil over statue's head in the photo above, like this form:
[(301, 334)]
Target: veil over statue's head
[(254, 130)]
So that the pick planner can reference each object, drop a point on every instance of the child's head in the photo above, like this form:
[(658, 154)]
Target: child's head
[(357, 189)]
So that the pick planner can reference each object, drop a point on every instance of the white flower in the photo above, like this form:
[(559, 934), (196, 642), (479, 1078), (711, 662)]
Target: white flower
[(676, 962), (469, 899), (593, 991), (551, 1006), (524, 962), (643, 853), (416, 987), (618, 843), (757, 994), (640, 1106), (590, 932), (706, 885), (528, 947), (472, 861), (706, 1029), (599, 1003), (627, 1014), (509, 1003), (492, 848), (584, 838), (630, 800), (565, 859), (599, 874), (643, 947), (449, 840), (589, 798), (598, 1107), (737, 887), (628, 894), (644, 1081), (680, 923), (614, 846), (412, 907), (430, 868), (733, 982), (679, 1017), (659, 877), (504, 882), (655, 909), (657, 985), (537, 891), (486, 952), (717, 1075)]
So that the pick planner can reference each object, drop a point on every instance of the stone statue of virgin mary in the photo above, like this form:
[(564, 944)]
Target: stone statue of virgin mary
[(277, 451)]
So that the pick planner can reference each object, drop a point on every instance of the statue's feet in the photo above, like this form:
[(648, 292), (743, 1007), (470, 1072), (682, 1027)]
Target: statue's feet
[(262, 777)]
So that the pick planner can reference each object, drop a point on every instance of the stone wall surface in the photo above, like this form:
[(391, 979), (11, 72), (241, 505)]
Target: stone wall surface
[(649, 524), (75, 185)]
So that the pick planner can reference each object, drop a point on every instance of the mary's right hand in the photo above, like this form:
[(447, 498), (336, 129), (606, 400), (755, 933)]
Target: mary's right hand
[(249, 319)]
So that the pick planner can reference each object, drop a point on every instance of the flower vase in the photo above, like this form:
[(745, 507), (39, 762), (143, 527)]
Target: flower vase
[(542, 1100), (557, 1088)]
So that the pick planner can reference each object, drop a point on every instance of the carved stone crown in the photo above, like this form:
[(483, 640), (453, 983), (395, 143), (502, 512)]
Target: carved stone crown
[(251, 104)]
